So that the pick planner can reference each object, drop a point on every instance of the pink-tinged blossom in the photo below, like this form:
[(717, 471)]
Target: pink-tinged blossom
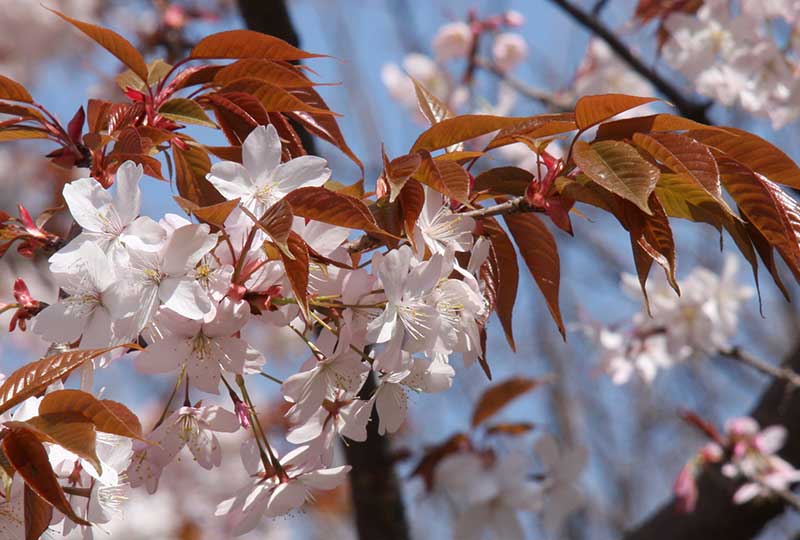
[(111, 222), (272, 493), (440, 229), (487, 494), (192, 427), (391, 396), (408, 322), (753, 458), (261, 179), (509, 49), (167, 275), (202, 349), (345, 417), (109, 489), (334, 368), (563, 468), (84, 311)]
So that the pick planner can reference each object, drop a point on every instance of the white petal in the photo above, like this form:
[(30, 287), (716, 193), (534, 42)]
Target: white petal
[(86, 199), (261, 151), (303, 171), (128, 199)]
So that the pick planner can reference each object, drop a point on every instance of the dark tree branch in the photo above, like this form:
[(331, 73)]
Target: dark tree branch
[(716, 516), (687, 107), (378, 504)]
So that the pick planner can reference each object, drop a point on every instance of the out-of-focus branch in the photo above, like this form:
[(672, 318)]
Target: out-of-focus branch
[(687, 107), (784, 374), (553, 101), (716, 515)]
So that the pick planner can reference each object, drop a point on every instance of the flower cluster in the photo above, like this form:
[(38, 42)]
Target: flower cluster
[(187, 294), (747, 454), (740, 56), (671, 328)]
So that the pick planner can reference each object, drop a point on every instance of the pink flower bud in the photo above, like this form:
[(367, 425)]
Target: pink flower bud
[(514, 18), (685, 490)]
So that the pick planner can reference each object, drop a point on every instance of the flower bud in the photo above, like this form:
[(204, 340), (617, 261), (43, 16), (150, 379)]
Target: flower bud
[(453, 40), (508, 50)]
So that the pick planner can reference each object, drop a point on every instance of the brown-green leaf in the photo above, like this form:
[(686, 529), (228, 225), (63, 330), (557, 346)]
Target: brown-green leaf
[(619, 168), (507, 270), (186, 111), (104, 418), (462, 128)]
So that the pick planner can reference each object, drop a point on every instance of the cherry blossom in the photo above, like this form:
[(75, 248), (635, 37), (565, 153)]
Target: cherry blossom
[(261, 179), (202, 349), (275, 493), (453, 40)]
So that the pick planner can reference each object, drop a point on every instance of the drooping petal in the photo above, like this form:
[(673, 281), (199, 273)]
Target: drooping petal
[(128, 199), (261, 152), (87, 200), (163, 356), (185, 297), (231, 179), (185, 248)]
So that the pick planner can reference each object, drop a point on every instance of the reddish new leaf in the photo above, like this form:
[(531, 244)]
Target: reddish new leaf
[(619, 168), (35, 377), (113, 43), (544, 125), (29, 458), (412, 200), (507, 272), (540, 253), (297, 270), (38, 514), (105, 419), (626, 127), (431, 107), (321, 204), (591, 110), (497, 396), (277, 73), (12, 90), (323, 126), (504, 181), (462, 128), (71, 430), (771, 211), (248, 44), (191, 166), (185, 111), (447, 177), (756, 153), (684, 155)]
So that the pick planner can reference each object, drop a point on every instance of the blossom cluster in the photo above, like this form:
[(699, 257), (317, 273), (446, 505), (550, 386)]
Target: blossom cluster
[(745, 55), (670, 328), (747, 454), (187, 293)]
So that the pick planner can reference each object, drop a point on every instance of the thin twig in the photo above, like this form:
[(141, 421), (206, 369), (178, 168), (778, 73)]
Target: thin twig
[(512, 206), (784, 374), (556, 102), (688, 107)]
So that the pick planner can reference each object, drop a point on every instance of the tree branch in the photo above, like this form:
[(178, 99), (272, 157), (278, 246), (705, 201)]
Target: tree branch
[(790, 377), (551, 100), (687, 107)]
